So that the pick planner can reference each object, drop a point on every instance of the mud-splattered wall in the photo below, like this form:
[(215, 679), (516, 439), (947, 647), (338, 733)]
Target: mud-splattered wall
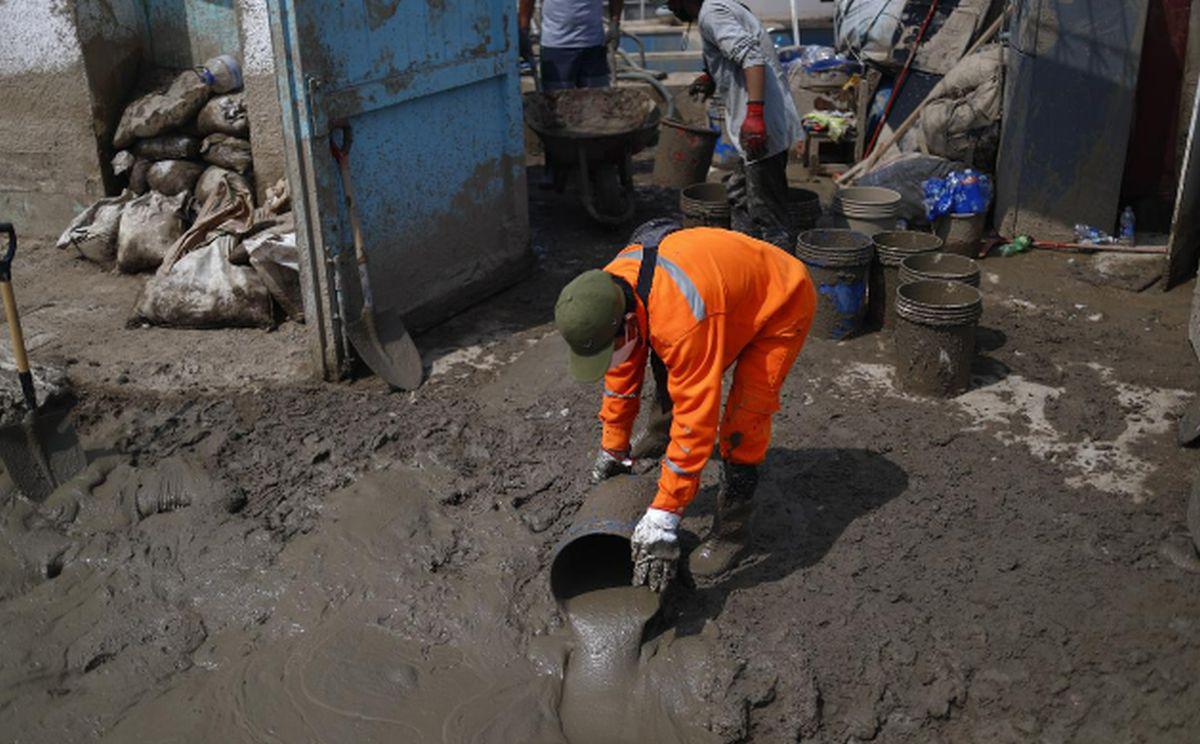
[(68, 67), (50, 164)]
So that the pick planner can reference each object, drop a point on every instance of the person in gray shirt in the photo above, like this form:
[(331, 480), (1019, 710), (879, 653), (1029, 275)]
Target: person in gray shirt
[(573, 39), (741, 66)]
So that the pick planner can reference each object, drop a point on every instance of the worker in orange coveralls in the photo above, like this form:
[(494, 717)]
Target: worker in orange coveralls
[(701, 299)]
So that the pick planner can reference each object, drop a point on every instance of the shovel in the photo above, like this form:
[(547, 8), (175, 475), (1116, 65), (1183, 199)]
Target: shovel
[(383, 344), (42, 451)]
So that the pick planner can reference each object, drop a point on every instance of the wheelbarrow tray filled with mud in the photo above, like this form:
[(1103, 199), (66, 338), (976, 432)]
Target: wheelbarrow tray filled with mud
[(593, 133)]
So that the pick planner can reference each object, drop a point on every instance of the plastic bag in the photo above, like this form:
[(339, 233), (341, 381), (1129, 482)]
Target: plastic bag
[(204, 290), (224, 115), (906, 174), (206, 186), (277, 260), (150, 225), (159, 112), (868, 29), (962, 192), (168, 147), (94, 232), (173, 177), (228, 152)]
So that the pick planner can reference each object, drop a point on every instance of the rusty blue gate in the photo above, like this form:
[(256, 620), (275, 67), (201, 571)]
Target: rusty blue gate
[(430, 91)]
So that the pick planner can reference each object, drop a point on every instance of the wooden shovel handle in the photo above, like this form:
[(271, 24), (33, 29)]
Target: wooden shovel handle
[(14, 319)]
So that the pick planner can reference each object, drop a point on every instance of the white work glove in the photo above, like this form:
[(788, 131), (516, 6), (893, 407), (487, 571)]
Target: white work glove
[(609, 463), (655, 549)]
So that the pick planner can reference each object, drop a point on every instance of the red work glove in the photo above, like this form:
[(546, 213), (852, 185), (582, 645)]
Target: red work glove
[(753, 135), (703, 86)]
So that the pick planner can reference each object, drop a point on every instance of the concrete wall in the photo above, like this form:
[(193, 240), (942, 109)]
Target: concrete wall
[(50, 165), (262, 97), (69, 67), (183, 33)]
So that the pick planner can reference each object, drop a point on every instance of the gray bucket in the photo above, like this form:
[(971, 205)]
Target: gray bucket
[(595, 551), (892, 247), (945, 266), (961, 233), (935, 336), (705, 205), (838, 262), (804, 209), (683, 154)]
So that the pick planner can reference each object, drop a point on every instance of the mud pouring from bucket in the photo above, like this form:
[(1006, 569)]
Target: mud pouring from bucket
[(590, 577)]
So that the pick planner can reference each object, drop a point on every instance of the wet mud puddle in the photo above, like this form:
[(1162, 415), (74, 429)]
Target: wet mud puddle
[(395, 620)]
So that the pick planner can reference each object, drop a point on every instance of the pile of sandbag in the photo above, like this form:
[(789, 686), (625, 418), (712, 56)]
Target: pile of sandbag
[(188, 212), (181, 139)]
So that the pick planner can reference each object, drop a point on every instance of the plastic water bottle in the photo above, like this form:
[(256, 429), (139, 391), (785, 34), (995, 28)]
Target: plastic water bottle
[(221, 73), (1128, 226)]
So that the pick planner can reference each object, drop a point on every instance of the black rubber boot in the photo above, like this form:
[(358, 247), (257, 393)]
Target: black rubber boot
[(730, 534)]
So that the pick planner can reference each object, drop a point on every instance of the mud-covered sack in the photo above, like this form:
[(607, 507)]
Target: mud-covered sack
[(94, 232), (206, 186), (150, 225), (168, 147), (161, 111), (204, 290), (228, 152), (173, 177), (224, 115), (137, 176)]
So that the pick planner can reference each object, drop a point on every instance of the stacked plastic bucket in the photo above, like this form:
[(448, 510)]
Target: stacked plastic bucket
[(937, 310), (867, 209), (891, 248), (839, 262)]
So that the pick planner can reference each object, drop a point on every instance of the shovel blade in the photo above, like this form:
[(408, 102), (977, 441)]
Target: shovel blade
[(387, 349), (41, 453), (25, 462)]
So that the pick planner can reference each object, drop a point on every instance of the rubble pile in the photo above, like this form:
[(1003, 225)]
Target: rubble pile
[(188, 212)]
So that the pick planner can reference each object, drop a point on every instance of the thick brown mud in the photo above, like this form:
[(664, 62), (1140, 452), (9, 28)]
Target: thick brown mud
[(332, 563)]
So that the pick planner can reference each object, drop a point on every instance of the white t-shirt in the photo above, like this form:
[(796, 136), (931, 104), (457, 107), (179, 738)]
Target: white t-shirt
[(572, 24), (733, 40)]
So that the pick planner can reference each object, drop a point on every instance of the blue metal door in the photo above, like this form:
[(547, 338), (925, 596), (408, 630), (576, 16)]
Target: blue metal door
[(430, 91)]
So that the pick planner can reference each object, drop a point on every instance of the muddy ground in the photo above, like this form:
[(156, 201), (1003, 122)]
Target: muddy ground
[(260, 562)]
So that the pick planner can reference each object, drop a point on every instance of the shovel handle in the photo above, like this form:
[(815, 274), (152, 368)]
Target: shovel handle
[(14, 319), (9, 252)]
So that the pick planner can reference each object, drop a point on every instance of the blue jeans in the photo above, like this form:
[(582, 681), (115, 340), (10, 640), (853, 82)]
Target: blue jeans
[(574, 68)]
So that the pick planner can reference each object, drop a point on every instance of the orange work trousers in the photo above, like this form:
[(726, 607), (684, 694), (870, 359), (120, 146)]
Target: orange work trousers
[(758, 376)]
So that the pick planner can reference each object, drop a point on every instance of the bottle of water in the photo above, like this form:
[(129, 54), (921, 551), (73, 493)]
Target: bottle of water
[(1128, 226)]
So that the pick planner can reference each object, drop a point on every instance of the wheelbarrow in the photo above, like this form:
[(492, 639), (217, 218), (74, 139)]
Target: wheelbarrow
[(591, 135)]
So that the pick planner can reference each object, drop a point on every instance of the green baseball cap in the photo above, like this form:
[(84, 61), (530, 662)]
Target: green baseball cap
[(588, 315)]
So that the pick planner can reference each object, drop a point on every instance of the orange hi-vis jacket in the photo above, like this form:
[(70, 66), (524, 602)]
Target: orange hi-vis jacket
[(717, 297)]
